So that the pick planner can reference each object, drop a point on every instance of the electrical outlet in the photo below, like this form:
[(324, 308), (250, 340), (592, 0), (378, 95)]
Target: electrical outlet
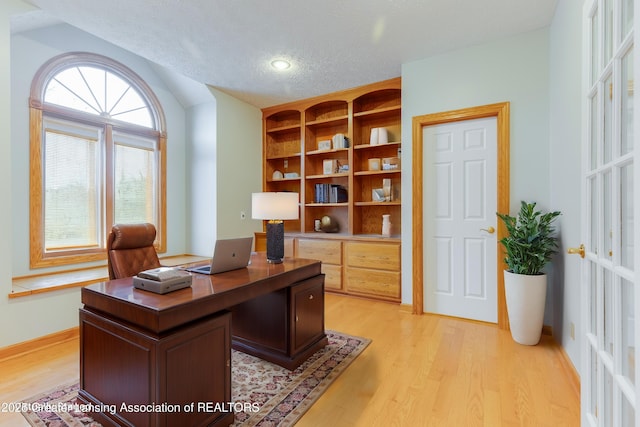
[(243, 215), (286, 163), (573, 331)]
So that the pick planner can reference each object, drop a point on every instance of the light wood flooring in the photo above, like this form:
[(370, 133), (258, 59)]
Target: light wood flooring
[(418, 371)]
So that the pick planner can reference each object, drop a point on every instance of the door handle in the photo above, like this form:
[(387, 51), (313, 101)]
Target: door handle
[(579, 251), (489, 230)]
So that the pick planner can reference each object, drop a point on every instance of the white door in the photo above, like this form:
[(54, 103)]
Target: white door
[(460, 194), (610, 299)]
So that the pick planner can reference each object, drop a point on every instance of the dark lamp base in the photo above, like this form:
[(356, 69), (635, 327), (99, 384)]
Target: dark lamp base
[(275, 242)]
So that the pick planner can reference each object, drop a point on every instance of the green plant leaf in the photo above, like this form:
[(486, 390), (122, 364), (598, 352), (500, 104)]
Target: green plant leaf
[(530, 243)]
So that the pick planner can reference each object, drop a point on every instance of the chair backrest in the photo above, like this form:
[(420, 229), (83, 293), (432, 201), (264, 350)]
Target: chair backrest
[(130, 250)]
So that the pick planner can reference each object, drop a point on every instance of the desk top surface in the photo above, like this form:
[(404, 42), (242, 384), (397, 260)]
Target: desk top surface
[(207, 295)]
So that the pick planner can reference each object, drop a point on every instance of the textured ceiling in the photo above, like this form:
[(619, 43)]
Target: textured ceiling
[(332, 44)]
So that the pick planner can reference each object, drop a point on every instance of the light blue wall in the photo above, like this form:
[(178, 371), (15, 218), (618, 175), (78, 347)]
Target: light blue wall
[(201, 178), (239, 171), (514, 70), (565, 168)]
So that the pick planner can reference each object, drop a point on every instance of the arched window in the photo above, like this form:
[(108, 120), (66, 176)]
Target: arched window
[(97, 157)]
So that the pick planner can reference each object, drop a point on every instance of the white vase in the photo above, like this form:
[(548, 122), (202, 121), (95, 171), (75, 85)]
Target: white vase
[(386, 225), (525, 297)]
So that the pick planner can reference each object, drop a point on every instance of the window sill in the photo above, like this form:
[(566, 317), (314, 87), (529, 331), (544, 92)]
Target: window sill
[(31, 285)]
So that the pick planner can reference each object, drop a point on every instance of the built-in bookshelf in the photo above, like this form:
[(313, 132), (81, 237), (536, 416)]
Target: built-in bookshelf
[(349, 140)]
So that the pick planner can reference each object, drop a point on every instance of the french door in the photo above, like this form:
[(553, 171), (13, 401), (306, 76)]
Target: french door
[(610, 298)]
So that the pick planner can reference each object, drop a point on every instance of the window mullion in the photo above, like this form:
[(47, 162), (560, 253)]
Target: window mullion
[(109, 181)]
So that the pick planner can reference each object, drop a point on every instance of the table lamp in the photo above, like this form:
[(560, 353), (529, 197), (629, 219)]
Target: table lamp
[(274, 207)]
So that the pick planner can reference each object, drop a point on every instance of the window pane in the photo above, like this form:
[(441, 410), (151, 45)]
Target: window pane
[(71, 186), (69, 89), (627, 17), (595, 378), (594, 216), (608, 399), (626, 121), (97, 91), (594, 133), (628, 331), (595, 37), (628, 414), (607, 231), (607, 121), (593, 303), (608, 304), (134, 180), (626, 216), (608, 30)]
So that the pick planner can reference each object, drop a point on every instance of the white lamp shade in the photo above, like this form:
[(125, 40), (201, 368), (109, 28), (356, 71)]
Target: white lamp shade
[(274, 205)]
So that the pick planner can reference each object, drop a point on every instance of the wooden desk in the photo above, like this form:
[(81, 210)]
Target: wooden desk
[(166, 352)]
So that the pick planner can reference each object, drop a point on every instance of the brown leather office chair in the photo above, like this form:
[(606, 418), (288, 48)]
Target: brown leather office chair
[(130, 250)]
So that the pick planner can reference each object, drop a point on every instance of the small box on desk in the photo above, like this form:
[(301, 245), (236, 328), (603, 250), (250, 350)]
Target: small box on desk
[(180, 281)]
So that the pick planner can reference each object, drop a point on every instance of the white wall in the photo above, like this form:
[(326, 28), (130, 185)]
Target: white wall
[(565, 122), (514, 70)]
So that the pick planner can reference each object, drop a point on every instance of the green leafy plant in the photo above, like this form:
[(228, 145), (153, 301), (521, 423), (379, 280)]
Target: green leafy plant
[(530, 242)]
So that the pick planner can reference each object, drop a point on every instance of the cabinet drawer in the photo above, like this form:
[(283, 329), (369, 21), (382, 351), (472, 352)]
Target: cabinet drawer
[(385, 256), (333, 277), (328, 251), (380, 283)]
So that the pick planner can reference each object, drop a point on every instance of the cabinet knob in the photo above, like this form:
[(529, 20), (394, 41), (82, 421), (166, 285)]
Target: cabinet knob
[(228, 363), (311, 296), (296, 318)]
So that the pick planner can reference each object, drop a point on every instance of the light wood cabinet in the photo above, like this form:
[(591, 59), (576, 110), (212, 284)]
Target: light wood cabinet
[(302, 152), (373, 269), (355, 266), (327, 251)]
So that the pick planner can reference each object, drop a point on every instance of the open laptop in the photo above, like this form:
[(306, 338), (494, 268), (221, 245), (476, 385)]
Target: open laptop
[(228, 254)]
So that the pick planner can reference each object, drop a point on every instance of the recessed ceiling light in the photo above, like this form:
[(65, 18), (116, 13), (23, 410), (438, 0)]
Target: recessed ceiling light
[(280, 64)]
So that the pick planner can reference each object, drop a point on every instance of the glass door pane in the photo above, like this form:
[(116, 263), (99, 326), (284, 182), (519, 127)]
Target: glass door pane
[(607, 121), (627, 17), (626, 107), (626, 216), (627, 332)]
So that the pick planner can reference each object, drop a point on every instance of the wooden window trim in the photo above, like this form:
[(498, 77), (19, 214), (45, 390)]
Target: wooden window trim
[(38, 258)]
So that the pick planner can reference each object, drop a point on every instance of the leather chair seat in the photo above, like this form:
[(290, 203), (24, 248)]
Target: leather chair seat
[(130, 250)]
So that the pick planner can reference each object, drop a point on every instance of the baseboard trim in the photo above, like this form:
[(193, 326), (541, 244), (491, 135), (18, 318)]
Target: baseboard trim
[(567, 365), (39, 343)]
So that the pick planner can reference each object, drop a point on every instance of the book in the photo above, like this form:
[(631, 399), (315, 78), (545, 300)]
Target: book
[(162, 274)]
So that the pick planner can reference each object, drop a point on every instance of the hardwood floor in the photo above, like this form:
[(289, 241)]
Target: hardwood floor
[(418, 371)]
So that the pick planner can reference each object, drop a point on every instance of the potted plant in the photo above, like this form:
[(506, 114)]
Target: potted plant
[(529, 246)]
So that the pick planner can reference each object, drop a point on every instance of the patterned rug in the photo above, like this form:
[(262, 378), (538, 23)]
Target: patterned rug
[(264, 394)]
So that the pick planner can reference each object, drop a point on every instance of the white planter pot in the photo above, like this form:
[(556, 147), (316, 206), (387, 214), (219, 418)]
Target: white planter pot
[(525, 297)]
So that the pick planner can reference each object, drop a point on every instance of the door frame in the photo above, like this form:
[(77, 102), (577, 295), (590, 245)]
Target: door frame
[(502, 112)]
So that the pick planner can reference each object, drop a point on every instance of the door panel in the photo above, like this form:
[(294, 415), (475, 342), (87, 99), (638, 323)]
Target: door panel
[(460, 187)]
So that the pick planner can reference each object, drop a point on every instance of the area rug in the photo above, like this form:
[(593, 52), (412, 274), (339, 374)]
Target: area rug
[(263, 394)]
